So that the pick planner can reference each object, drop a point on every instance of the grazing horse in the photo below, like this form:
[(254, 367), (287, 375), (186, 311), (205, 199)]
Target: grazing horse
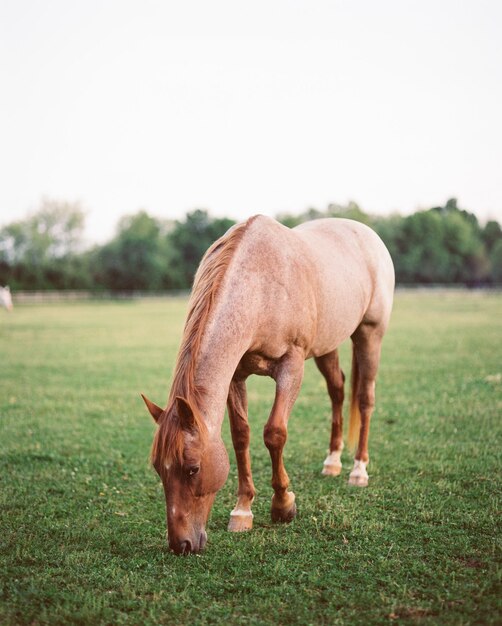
[(6, 298), (265, 298)]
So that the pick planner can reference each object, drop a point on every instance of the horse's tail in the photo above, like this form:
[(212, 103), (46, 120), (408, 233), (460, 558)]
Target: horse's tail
[(355, 415)]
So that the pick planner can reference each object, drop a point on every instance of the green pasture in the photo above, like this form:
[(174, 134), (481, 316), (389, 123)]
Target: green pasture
[(82, 522)]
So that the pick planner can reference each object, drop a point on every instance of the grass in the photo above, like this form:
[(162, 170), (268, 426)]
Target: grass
[(82, 521)]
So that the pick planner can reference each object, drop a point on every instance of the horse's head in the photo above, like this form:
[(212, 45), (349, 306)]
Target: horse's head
[(193, 465)]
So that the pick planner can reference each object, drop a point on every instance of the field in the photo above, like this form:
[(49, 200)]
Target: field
[(82, 520)]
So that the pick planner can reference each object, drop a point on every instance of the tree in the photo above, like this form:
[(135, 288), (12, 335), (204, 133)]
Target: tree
[(420, 255), (136, 258), (441, 245), (39, 249), (496, 262), (389, 229), (491, 234), (188, 241)]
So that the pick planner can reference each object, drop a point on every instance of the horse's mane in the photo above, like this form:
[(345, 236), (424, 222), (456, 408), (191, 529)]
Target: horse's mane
[(168, 442)]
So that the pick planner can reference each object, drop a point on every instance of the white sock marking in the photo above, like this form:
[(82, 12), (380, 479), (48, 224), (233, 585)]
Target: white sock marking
[(334, 458), (359, 470), (241, 513)]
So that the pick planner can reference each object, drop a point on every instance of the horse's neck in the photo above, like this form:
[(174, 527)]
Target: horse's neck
[(221, 349), (214, 370)]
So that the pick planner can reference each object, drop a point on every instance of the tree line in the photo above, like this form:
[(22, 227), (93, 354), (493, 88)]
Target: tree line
[(443, 244)]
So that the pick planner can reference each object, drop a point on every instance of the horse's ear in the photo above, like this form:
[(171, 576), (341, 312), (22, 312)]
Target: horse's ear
[(155, 411), (185, 413)]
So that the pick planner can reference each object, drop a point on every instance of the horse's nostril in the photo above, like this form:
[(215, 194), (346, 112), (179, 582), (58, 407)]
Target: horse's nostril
[(185, 547), (202, 540)]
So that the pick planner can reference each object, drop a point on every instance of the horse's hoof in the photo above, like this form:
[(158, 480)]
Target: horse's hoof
[(332, 464), (359, 476), (285, 513), (331, 470), (358, 481), (240, 522)]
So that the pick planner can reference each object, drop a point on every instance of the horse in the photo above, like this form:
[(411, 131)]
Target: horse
[(266, 298), (6, 298)]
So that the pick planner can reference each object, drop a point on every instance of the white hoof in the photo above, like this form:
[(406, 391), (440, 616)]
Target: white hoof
[(359, 476), (240, 520), (332, 464)]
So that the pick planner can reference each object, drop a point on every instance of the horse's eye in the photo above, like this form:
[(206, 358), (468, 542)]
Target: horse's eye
[(193, 470)]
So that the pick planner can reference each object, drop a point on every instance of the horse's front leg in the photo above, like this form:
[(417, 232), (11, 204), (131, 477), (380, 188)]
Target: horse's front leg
[(288, 377), (241, 518)]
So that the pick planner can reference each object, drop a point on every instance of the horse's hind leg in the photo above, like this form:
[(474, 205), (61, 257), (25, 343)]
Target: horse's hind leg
[(329, 366), (367, 342), (241, 518), (288, 376)]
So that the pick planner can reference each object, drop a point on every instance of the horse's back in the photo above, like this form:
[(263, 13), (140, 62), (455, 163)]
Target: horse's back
[(310, 286)]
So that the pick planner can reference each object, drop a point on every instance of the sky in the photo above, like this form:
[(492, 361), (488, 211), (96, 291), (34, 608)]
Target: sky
[(249, 107)]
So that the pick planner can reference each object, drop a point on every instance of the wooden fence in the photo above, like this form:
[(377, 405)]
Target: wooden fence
[(45, 297)]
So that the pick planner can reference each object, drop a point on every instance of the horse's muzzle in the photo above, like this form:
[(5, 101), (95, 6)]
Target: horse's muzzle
[(186, 546)]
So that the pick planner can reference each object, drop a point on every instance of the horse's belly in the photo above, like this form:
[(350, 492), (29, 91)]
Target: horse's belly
[(332, 333)]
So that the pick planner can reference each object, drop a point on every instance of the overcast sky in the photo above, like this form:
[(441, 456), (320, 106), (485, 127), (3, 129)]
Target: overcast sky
[(247, 107)]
